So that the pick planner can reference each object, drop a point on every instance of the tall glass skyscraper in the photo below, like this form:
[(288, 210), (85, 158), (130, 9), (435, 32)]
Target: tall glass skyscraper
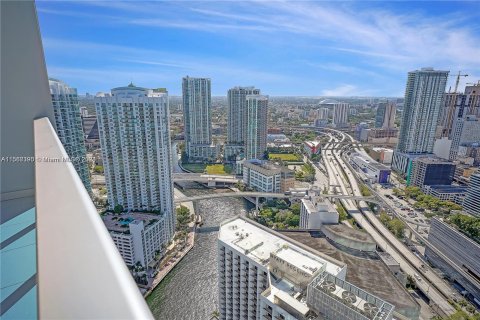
[(69, 127), (423, 100), (197, 114), (256, 129), (237, 120)]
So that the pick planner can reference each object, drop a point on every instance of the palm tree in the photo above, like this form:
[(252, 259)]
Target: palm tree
[(215, 315)]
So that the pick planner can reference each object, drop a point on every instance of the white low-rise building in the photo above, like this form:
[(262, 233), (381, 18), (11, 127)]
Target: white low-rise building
[(138, 236), (266, 176), (314, 214), (265, 275)]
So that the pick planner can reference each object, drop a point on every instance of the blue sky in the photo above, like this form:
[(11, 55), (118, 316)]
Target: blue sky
[(320, 48)]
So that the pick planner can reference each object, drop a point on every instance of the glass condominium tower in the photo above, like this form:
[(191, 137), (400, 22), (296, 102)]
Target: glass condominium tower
[(237, 120), (134, 131), (256, 128), (197, 113), (69, 127), (423, 101)]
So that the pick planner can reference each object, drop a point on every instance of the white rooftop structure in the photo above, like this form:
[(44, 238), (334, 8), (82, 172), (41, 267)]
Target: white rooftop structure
[(257, 244)]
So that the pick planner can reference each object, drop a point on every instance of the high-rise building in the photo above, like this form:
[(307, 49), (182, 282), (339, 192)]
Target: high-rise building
[(340, 114), (237, 120), (197, 114), (466, 130), (385, 117), (137, 157), (471, 204), (265, 275), (68, 121), (423, 101), (457, 105), (323, 113), (256, 128)]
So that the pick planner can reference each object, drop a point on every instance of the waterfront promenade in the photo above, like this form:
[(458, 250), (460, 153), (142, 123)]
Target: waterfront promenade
[(177, 257)]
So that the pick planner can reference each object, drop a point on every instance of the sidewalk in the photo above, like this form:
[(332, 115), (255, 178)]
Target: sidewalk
[(172, 262)]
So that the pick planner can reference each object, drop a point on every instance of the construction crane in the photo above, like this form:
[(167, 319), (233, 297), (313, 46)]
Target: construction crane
[(458, 80)]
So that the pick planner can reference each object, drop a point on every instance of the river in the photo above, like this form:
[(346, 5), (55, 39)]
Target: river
[(189, 291)]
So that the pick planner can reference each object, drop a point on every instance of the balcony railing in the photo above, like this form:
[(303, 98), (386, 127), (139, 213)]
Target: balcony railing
[(80, 271)]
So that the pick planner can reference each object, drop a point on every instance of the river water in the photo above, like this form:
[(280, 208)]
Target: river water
[(189, 291)]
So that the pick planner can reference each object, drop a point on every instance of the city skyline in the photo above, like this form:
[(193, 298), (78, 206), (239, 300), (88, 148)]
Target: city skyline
[(365, 51)]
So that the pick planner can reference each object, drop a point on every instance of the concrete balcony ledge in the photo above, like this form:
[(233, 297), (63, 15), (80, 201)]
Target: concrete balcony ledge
[(81, 274)]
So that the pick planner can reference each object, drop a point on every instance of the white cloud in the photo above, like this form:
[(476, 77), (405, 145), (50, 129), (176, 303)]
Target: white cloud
[(342, 91)]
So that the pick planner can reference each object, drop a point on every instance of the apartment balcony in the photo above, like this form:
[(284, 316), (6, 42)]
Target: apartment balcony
[(69, 233)]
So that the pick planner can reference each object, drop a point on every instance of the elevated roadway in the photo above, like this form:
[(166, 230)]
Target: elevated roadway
[(428, 282), (270, 195), (205, 178)]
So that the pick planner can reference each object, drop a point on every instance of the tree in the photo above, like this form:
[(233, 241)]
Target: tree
[(342, 214), (118, 209), (215, 315), (412, 192), (295, 208), (365, 191), (183, 218), (98, 169)]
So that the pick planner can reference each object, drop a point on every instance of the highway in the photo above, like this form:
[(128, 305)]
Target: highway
[(299, 194), (409, 263)]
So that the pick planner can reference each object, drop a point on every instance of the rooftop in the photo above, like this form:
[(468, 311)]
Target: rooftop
[(257, 242), (315, 206), (120, 222), (448, 188), (365, 271), (433, 160), (265, 167)]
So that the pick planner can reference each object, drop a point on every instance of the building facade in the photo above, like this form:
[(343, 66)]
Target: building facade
[(448, 249), (197, 114), (68, 121), (455, 194), (134, 132), (423, 100), (139, 237), (431, 171), (340, 114), (265, 176), (256, 126), (265, 275), (385, 117), (455, 104), (237, 119), (471, 204), (466, 131), (314, 214)]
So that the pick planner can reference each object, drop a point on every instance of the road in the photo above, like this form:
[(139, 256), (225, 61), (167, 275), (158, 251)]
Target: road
[(294, 194), (409, 263)]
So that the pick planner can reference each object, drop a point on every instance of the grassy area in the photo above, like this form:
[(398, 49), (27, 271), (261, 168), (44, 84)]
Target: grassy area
[(284, 156), (209, 168), (219, 169), (195, 167)]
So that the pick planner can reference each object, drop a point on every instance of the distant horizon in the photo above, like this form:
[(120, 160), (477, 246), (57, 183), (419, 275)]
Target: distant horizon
[(297, 48)]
